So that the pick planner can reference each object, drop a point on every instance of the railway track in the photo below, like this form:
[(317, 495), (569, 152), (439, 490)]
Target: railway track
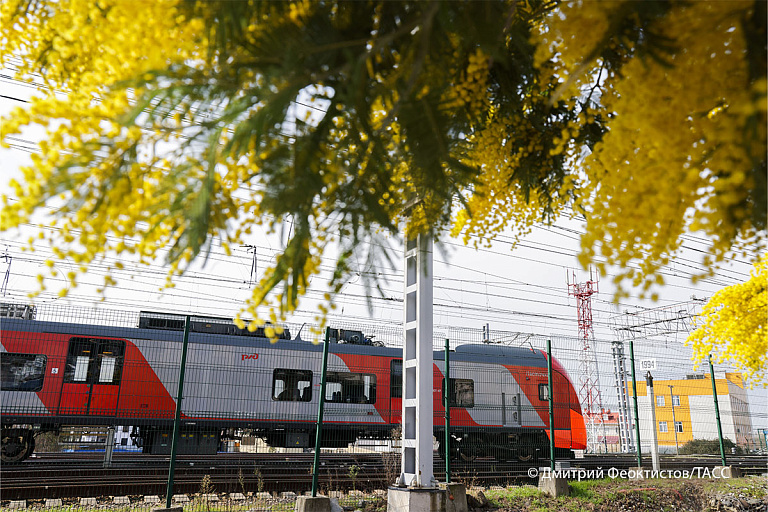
[(83, 475)]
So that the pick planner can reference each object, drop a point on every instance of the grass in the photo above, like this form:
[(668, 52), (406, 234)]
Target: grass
[(587, 496), (749, 487), (609, 495), (197, 504)]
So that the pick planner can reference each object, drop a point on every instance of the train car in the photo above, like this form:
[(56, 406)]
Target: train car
[(57, 374)]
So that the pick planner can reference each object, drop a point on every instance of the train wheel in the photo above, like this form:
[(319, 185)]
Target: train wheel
[(464, 451), (526, 453), (17, 445)]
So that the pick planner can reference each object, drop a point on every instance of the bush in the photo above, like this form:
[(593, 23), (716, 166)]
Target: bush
[(709, 447)]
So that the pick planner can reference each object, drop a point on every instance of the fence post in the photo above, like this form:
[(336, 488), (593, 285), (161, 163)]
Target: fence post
[(319, 426), (447, 400), (654, 436), (717, 411), (634, 399), (177, 415), (674, 420), (551, 407)]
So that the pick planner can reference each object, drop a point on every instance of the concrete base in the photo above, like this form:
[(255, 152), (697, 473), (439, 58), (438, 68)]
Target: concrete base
[(401, 499), (727, 472), (553, 486), (313, 504), (335, 507), (455, 497)]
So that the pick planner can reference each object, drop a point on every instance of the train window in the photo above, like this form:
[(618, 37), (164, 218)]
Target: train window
[(396, 379), (463, 393), (22, 372), (81, 369), (291, 385), (94, 361), (544, 392), (109, 357), (350, 388)]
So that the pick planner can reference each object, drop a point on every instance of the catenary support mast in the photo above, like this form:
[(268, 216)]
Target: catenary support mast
[(416, 463), (589, 378)]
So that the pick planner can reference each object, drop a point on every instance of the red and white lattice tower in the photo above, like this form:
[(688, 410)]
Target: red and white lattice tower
[(589, 377)]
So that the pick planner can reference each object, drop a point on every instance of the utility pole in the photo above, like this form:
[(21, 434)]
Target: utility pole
[(674, 423)]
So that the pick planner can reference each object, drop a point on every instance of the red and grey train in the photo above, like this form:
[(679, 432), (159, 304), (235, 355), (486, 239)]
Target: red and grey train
[(58, 374)]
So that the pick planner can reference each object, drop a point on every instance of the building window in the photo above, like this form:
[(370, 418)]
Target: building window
[(350, 388), (291, 385), (463, 393), (659, 401), (544, 392), (663, 427), (678, 426), (22, 372), (676, 400)]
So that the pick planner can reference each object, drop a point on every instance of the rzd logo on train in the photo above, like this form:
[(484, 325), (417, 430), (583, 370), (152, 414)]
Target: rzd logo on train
[(249, 356)]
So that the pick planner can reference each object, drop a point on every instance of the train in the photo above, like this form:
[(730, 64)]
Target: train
[(58, 374)]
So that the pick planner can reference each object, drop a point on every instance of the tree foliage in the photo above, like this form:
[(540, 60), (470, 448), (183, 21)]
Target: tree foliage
[(184, 122), (710, 447), (732, 325)]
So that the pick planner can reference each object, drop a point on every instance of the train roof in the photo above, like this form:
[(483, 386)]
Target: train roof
[(479, 353)]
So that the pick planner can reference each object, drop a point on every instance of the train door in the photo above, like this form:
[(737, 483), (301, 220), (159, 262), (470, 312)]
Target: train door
[(395, 391), (92, 377), (510, 409)]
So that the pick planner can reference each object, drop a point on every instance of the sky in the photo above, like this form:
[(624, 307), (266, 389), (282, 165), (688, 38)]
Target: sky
[(512, 289)]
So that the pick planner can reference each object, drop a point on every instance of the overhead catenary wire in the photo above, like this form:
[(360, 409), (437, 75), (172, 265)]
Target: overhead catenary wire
[(539, 247)]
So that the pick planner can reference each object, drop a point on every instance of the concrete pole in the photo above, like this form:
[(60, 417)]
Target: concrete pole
[(674, 421), (417, 419), (654, 437), (110, 445)]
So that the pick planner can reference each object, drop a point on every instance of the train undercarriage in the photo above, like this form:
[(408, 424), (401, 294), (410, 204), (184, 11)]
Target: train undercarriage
[(503, 446), (18, 441)]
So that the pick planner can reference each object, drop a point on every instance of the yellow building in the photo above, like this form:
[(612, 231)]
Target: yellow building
[(685, 407)]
